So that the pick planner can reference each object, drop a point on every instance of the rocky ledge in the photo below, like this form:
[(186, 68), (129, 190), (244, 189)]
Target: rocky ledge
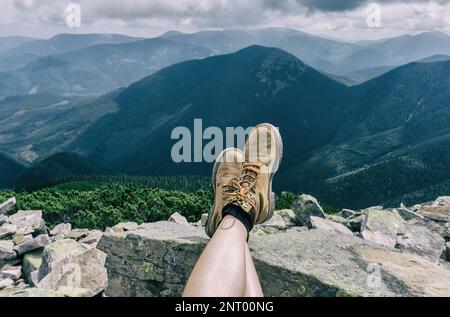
[(299, 252)]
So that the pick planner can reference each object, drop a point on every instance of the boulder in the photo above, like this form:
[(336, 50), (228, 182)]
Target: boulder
[(61, 230), (447, 251), (30, 266), (421, 241), (288, 216), (7, 250), (28, 222), (7, 205), (338, 219), (407, 214), (441, 201), (67, 263), (38, 292), (178, 218), (439, 213), (92, 238), (381, 226), (329, 226), (306, 206), (435, 227), (348, 213), (20, 238), (203, 219), (77, 234), (157, 259), (354, 224), (30, 245), (11, 272), (276, 222), (6, 283), (7, 230), (3, 219), (125, 226)]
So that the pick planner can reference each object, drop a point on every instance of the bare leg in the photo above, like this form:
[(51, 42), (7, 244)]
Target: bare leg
[(252, 285), (221, 269)]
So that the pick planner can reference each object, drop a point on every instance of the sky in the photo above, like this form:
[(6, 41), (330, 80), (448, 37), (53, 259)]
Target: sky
[(340, 19)]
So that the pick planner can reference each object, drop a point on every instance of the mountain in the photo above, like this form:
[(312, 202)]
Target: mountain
[(37, 126), (242, 89), (396, 51), (394, 144), (317, 52), (21, 55), (9, 42), (9, 170), (58, 166), (97, 69), (434, 58), (363, 75)]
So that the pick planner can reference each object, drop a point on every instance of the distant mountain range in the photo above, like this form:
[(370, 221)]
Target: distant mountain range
[(385, 141), (94, 64)]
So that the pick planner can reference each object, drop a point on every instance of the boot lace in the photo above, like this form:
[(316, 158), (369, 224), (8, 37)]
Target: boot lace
[(239, 190)]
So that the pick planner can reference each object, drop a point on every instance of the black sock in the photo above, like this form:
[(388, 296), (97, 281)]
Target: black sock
[(238, 213)]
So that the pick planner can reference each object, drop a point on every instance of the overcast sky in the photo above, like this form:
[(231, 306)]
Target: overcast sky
[(343, 19)]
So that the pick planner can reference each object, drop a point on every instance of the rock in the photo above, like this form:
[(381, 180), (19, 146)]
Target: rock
[(157, 259), (7, 250), (441, 201), (354, 224), (30, 266), (421, 241), (203, 219), (85, 269), (36, 243), (306, 206), (348, 213), (276, 222), (329, 226), (125, 226), (37, 292), (68, 291), (338, 219), (447, 251), (7, 205), (4, 283), (440, 213), (3, 219), (77, 234), (11, 272), (288, 216), (407, 214), (92, 238), (7, 230), (381, 226), (28, 222), (178, 218), (20, 238), (435, 227), (62, 229)]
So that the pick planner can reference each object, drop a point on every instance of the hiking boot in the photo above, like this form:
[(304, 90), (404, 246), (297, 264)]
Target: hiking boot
[(226, 171), (263, 153)]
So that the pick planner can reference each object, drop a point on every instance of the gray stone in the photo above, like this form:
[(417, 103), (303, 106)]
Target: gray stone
[(7, 250), (11, 272), (178, 218), (306, 206), (77, 234), (276, 222), (30, 266), (157, 259), (7, 230), (435, 227), (348, 213), (421, 241), (354, 224), (447, 251), (288, 216), (7, 205), (439, 213), (82, 268), (28, 222), (3, 219), (93, 238), (338, 219), (407, 214), (37, 292), (125, 226), (20, 238), (442, 201), (62, 229), (381, 226), (329, 226), (36, 243), (5, 283)]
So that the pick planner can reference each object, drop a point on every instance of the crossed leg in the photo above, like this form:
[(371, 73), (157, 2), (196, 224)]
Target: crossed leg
[(225, 268)]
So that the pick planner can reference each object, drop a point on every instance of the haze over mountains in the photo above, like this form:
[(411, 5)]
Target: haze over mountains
[(383, 141)]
